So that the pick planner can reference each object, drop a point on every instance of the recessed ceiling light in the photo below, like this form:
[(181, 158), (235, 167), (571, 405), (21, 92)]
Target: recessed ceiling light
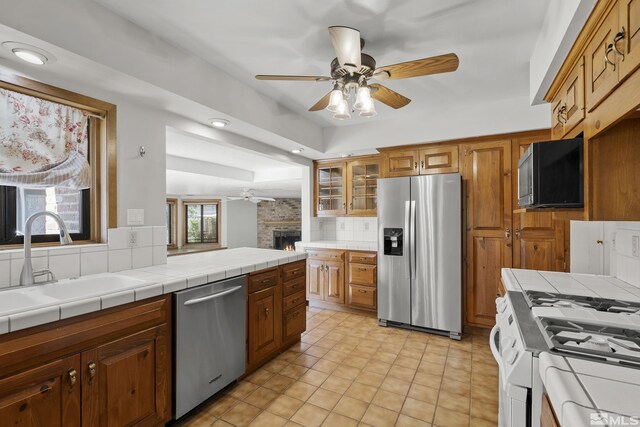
[(219, 123), (30, 56), (297, 150)]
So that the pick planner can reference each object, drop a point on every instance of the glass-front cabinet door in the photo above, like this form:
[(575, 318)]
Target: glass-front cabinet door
[(330, 189), (362, 186)]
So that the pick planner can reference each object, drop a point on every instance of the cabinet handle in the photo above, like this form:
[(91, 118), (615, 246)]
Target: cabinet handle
[(517, 234), (344, 205), (265, 281), (421, 164), (415, 165), (620, 36), (351, 206), (507, 233), (73, 377), (600, 242), (266, 312), (610, 49), (92, 371), (362, 269), (295, 300), (361, 291), (562, 114)]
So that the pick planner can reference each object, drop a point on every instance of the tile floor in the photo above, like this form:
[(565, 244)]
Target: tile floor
[(348, 371)]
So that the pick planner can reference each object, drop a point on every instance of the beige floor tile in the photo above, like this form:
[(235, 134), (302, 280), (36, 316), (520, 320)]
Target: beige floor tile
[(377, 367), (221, 405), (433, 368), (299, 347), (327, 343), (370, 378), (337, 420), (310, 415), (428, 380), (242, 389), (336, 356), (294, 371), (388, 400), (479, 422), (355, 361), (241, 414), (306, 360), (378, 416), (285, 406), (384, 356), (203, 419), (401, 373), (454, 402), (406, 421), (314, 377), (221, 423), (326, 366), (267, 419), (288, 356), (447, 418), (420, 410), (395, 385), (347, 372), (300, 390), (316, 351), (336, 384), (423, 393), (486, 410), (456, 387), (408, 362), (261, 397), (361, 392), (487, 392), (259, 377), (350, 407), (457, 374), (279, 383), (324, 398), (275, 366)]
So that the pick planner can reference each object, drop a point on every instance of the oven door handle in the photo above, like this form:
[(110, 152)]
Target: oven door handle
[(495, 331), (212, 296)]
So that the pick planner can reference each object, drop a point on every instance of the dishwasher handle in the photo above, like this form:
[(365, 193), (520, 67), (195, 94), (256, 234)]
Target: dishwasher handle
[(212, 296)]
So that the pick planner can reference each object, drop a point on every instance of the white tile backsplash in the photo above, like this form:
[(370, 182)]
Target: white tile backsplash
[(119, 259), (142, 257), (65, 266), (361, 229), (94, 262)]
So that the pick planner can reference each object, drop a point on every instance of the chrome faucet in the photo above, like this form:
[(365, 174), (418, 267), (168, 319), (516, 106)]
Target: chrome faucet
[(27, 275)]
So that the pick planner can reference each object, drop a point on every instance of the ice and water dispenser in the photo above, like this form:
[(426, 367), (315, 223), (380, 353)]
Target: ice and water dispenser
[(393, 241)]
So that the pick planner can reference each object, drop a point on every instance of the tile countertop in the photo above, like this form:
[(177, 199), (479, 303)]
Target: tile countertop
[(584, 392), (179, 273), (338, 244)]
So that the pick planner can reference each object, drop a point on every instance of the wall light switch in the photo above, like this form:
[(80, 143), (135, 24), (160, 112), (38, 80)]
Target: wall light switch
[(635, 242), (135, 216)]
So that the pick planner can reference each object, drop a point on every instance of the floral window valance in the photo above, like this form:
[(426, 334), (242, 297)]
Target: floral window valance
[(42, 143)]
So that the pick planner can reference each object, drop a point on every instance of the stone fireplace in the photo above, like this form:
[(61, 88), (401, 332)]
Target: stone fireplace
[(286, 239), (279, 223)]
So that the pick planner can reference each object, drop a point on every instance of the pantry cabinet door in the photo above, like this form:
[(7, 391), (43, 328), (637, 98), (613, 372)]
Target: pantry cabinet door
[(487, 184)]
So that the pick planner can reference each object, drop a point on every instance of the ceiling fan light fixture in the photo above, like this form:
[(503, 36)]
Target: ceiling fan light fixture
[(363, 98), (342, 113), (368, 110), (335, 99)]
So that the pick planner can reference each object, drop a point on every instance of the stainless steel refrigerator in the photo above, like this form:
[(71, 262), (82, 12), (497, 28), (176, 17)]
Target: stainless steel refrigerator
[(420, 252)]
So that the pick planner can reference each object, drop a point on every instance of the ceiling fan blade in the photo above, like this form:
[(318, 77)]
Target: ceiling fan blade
[(387, 96), (234, 198), (293, 78), (346, 43), (419, 67), (265, 199), (322, 104)]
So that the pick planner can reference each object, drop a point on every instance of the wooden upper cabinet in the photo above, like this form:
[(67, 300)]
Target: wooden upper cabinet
[(441, 159), (48, 395), (401, 163), (486, 174), (602, 61), (126, 382), (573, 97), (362, 187), (331, 182), (629, 44), (557, 123)]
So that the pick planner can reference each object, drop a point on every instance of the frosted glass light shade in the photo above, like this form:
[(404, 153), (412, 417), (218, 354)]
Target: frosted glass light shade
[(335, 99), (368, 109), (342, 113), (363, 98)]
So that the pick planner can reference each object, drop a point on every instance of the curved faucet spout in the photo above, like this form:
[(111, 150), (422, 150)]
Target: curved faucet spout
[(26, 276)]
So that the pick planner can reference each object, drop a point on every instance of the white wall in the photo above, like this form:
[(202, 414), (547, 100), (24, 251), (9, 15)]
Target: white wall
[(242, 224)]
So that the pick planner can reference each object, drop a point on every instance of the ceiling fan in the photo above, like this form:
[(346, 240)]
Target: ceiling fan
[(249, 196), (351, 71)]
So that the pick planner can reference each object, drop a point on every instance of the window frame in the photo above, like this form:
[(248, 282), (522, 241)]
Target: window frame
[(173, 203), (102, 207), (185, 204)]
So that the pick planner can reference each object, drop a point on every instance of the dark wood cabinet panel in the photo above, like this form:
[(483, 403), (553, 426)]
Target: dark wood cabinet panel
[(265, 323)]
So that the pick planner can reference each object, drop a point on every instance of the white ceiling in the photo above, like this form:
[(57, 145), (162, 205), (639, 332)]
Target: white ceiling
[(493, 38), (203, 166)]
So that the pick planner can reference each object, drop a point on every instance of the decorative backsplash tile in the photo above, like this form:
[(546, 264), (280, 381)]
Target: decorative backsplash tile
[(361, 229), (147, 248)]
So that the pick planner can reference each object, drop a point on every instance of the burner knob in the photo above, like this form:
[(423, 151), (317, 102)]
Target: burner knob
[(510, 355)]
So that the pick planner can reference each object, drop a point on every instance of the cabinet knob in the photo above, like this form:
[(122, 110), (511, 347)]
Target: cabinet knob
[(421, 164), (507, 233), (73, 377), (266, 312), (92, 371), (415, 165)]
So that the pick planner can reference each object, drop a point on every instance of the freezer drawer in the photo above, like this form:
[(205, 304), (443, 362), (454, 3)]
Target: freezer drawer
[(210, 325)]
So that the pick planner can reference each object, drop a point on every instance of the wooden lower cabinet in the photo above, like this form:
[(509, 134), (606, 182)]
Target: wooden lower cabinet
[(363, 297), (110, 368), (548, 416), (315, 278), (333, 285), (276, 315)]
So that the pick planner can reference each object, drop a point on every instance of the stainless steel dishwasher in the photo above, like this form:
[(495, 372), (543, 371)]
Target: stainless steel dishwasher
[(209, 351)]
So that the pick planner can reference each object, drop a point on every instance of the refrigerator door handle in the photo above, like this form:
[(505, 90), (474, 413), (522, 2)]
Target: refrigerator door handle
[(407, 220), (412, 238)]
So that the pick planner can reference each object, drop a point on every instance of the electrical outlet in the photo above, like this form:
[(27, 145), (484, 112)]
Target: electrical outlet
[(133, 238), (342, 226), (635, 241), (366, 226)]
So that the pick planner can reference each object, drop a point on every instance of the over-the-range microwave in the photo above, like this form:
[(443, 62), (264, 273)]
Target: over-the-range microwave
[(550, 175)]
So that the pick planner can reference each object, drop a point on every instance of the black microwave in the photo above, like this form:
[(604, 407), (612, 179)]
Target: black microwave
[(550, 175)]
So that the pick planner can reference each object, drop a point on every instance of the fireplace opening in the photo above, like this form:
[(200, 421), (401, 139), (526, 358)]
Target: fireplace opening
[(286, 239)]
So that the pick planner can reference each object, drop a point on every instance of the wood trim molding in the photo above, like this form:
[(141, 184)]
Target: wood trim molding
[(107, 189), (596, 18)]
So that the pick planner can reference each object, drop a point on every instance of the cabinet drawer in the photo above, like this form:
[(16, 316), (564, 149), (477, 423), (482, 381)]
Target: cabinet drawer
[(293, 300), (293, 286), (362, 297), (326, 255), (263, 279), (362, 274), (294, 323), (293, 270), (363, 257)]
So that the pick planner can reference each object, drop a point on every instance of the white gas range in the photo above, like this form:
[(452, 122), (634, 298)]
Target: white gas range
[(538, 316)]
